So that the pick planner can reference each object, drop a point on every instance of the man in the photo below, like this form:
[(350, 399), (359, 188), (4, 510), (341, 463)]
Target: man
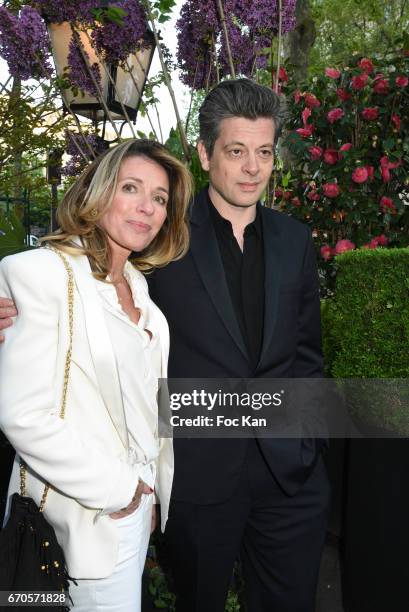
[(244, 303)]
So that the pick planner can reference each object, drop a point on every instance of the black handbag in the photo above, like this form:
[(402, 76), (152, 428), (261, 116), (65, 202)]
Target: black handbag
[(31, 558)]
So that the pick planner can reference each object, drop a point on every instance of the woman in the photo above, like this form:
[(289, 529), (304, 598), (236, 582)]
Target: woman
[(104, 459)]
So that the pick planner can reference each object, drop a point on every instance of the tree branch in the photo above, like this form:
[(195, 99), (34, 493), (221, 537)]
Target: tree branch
[(181, 129), (226, 37)]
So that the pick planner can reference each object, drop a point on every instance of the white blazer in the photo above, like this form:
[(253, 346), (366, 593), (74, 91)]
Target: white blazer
[(83, 456)]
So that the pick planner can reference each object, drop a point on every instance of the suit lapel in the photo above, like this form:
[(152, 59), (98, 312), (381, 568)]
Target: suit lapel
[(206, 255), (273, 252), (100, 345)]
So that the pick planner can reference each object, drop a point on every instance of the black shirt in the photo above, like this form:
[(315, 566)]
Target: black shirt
[(245, 277)]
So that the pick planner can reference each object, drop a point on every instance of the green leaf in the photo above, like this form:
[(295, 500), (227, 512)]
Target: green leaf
[(158, 603), (114, 14), (12, 235), (152, 589)]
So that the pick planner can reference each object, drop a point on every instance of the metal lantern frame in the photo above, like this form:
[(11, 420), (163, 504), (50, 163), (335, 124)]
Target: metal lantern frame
[(114, 79)]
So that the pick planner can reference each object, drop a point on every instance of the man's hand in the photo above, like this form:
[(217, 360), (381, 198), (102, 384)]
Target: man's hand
[(141, 489), (7, 310)]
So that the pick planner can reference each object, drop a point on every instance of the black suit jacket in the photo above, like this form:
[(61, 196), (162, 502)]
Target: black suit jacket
[(205, 342)]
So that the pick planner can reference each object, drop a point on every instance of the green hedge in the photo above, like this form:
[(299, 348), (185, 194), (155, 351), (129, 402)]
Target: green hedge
[(366, 332)]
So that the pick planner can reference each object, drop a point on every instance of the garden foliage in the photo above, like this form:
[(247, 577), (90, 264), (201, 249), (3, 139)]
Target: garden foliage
[(366, 332), (347, 152)]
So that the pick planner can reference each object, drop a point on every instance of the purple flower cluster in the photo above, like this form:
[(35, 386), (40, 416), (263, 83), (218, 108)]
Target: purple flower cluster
[(196, 43), (116, 41), (24, 43), (77, 163), (251, 24), (67, 10), (242, 51), (80, 70), (261, 16)]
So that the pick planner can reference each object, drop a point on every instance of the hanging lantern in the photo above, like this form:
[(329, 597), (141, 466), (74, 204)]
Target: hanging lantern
[(119, 88)]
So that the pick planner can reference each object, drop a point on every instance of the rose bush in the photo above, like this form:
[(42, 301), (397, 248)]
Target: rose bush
[(348, 156)]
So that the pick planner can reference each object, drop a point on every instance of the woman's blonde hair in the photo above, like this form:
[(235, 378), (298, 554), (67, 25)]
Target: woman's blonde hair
[(90, 196)]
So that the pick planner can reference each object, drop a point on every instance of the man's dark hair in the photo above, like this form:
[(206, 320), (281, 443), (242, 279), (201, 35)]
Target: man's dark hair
[(238, 98)]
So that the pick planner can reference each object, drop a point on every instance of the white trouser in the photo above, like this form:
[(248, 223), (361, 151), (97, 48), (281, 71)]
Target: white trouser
[(121, 591)]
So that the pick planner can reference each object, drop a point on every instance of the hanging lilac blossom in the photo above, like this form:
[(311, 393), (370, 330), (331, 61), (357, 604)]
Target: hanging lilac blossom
[(77, 163), (242, 51), (196, 28), (116, 41), (251, 25), (262, 19), (67, 10), (74, 166), (261, 16), (72, 139), (80, 70), (24, 43)]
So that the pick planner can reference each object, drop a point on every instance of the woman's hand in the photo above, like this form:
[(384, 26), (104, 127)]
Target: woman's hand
[(7, 310), (141, 489)]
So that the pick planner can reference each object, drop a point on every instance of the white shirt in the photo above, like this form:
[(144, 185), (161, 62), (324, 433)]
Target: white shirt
[(138, 360)]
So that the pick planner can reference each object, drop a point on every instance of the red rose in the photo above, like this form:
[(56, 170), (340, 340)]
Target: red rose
[(332, 73), (346, 146), (401, 81), (360, 175), (287, 195), (381, 87), (282, 75), (297, 96), (326, 252), (306, 114), (382, 240), (386, 175), (370, 113), (396, 121), (359, 82), (311, 101), (365, 65), (331, 156), (344, 245), (306, 131), (370, 170), (313, 195), (335, 114), (343, 94), (377, 241), (315, 152), (393, 165), (387, 205), (278, 193), (386, 166), (331, 190), (296, 201)]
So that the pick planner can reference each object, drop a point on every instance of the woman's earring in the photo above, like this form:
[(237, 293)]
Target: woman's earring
[(93, 213)]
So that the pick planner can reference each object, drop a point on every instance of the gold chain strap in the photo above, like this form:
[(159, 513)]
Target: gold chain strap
[(66, 369)]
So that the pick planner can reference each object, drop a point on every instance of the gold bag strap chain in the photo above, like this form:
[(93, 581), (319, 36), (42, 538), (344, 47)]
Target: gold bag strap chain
[(66, 369)]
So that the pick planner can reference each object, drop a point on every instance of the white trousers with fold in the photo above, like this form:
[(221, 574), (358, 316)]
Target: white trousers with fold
[(120, 592)]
